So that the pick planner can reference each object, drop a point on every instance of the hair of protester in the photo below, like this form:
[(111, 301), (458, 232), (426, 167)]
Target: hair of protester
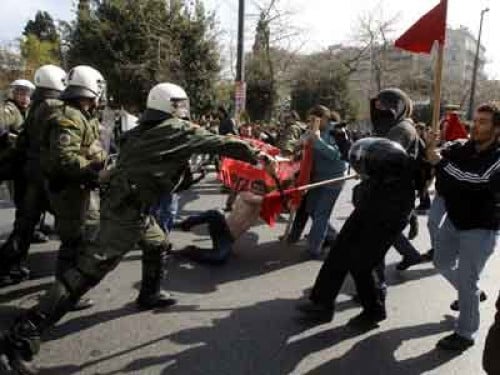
[(493, 109), (421, 125), (320, 111), (335, 116), (223, 111)]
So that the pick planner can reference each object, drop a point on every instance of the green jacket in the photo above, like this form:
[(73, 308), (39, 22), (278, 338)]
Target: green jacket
[(289, 137), (153, 157), (69, 147), (11, 123), (11, 117), (36, 124)]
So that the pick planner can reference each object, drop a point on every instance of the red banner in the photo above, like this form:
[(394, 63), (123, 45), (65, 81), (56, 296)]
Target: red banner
[(239, 176)]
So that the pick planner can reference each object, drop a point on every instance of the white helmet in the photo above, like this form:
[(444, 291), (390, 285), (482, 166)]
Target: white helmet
[(50, 77), (84, 82), (22, 83), (169, 98)]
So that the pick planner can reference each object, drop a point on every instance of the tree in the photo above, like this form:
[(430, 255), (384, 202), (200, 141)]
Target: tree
[(322, 79), (41, 43), (271, 57), (43, 27), (136, 44), (11, 65), (261, 90)]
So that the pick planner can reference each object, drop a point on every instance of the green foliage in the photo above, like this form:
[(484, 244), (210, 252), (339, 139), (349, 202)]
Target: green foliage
[(38, 52), (320, 80), (136, 44), (41, 43), (43, 27), (260, 74)]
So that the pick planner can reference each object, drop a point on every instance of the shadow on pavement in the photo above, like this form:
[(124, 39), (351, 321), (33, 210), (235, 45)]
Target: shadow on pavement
[(81, 323), (20, 292), (248, 260), (395, 277), (378, 353), (262, 339)]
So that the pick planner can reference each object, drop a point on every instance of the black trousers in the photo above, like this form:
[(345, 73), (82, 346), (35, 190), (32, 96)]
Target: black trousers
[(359, 248), (31, 202)]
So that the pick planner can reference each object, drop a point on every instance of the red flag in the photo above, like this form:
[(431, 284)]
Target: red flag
[(273, 202), (453, 129), (431, 27), (304, 176), (272, 205)]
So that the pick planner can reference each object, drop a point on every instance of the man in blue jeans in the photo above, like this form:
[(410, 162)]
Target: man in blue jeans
[(327, 164), (224, 231), (468, 182)]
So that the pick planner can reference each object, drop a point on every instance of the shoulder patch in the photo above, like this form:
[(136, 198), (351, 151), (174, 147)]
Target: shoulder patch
[(66, 122), (64, 139)]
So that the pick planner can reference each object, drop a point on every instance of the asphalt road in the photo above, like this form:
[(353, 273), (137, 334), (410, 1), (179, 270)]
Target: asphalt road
[(239, 318)]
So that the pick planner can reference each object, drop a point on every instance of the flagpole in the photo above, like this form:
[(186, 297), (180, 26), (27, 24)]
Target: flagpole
[(323, 183), (438, 81)]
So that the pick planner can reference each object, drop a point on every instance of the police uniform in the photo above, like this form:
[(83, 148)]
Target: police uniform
[(11, 123), (12, 118), (289, 138), (35, 200), (71, 158), (151, 161)]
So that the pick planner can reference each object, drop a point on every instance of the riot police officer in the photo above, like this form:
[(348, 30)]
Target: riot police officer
[(152, 160), (12, 115), (50, 82)]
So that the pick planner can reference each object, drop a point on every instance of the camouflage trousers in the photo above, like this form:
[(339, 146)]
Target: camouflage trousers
[(124, 222)]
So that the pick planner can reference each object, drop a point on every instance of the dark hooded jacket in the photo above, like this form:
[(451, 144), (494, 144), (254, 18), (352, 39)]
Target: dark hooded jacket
[(400, 127), (393, 194)]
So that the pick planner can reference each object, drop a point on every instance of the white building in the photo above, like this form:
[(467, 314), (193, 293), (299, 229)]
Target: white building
[(460, 52)]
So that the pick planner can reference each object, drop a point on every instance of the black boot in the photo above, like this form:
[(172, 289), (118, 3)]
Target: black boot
[(22, 342), (13, 269), (19, 272), (153, 271)]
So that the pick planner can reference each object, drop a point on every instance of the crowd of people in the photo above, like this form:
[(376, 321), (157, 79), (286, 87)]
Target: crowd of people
[(104, 206)]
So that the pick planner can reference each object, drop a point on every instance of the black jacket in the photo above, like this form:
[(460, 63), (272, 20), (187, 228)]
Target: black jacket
[(469, 182)]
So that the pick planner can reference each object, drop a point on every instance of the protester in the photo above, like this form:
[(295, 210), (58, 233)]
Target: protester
[(226, 124), (384, 200), (452, 128), (290, 133), (468, 182), (224, 231), (394, 103), (491, 359), (246, 130), (327, 164), (424, 171)]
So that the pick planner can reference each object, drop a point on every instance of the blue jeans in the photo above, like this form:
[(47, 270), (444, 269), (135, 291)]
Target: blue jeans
[(460, 256), (166, 211), (318, 205), (437, 214), (222, 239)]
